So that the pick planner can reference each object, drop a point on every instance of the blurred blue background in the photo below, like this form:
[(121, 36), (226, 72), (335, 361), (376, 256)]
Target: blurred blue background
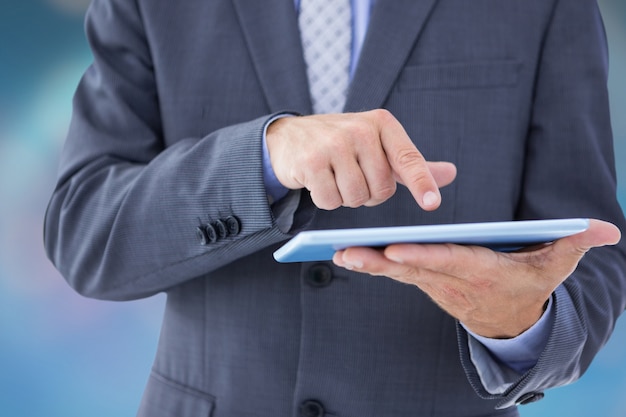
[(62, 355)]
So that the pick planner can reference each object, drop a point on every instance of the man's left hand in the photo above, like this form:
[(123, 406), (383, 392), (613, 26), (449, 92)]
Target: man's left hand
[(494, 294)]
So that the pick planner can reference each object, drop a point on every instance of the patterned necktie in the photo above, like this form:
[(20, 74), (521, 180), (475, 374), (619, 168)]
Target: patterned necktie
[(326, 32)]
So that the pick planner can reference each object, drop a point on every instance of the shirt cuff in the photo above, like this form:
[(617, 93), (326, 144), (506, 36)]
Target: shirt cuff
[(274, 189), (518, 354)]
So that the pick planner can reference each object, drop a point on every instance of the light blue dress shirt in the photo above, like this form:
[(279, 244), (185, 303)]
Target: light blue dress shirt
[(518, 354)]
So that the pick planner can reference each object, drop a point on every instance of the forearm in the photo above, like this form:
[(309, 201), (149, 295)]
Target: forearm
[(138, 177), (118, 229)]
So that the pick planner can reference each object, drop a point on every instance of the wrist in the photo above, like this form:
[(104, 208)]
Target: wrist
[(518, 324)]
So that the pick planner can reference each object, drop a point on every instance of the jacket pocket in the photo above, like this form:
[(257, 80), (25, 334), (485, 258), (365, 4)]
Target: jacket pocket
[(166, 398), (455, 76)]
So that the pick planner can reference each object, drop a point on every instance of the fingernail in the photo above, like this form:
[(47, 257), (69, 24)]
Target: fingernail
[(430, 199), (353, 264), (395, 259)]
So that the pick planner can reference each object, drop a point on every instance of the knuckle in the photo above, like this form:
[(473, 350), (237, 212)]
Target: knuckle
[(579, 252), (310, 161), (384, 192), (418, 177), (325, 198), (326, 203), (355, 203), (383, 115), (339, 147), (361, 131), (357, 197), (409, 275), (410, 157), (359, 138)]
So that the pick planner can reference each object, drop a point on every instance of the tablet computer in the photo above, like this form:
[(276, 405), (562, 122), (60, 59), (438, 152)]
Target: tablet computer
[(320, 245)]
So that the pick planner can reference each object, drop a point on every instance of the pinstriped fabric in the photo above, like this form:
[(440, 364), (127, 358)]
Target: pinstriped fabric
[(141, 165)]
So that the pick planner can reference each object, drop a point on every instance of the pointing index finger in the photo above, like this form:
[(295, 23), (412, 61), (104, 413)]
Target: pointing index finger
[(407, 162)]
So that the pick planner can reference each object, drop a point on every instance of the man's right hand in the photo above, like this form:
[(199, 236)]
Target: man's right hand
[(353, 160)]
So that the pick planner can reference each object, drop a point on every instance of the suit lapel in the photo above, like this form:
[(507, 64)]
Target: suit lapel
[(393, 29), (271, 31)]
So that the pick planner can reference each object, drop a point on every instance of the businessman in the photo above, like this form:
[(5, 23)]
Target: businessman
[(206, 133)]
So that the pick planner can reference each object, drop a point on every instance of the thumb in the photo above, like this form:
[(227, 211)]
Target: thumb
[(599, 233), (562, 257)]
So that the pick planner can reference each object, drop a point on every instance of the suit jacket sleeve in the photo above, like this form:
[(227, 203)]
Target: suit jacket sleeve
[(570, 131), (122, 221)]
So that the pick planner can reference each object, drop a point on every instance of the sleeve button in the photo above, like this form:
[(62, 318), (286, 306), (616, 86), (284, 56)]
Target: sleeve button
[(211, 233), (202, 236), (221, 229), (233, 224), (529, 397)]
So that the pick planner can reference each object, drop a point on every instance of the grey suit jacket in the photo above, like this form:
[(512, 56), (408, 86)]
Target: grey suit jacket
[(166, 136)]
